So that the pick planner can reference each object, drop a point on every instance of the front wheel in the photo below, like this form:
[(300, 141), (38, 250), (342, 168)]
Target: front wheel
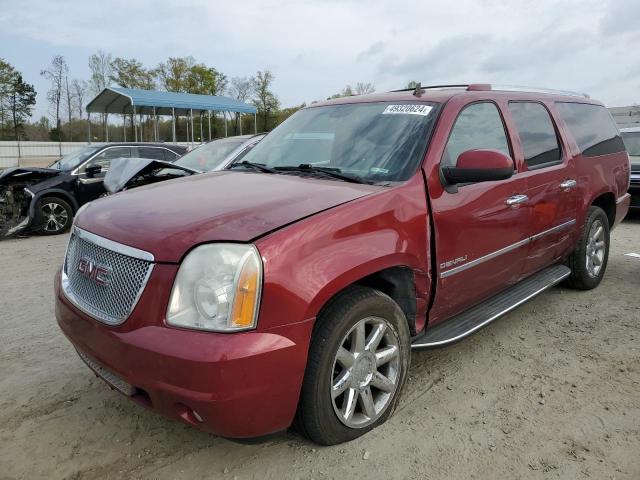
[(588, 261), (358, 363), (54, 216)]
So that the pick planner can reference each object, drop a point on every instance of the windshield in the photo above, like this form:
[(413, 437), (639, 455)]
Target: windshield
[(376, 142), (73, 160), (632, 142), (210, 155)]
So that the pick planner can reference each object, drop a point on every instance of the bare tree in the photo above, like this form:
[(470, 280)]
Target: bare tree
[(100, 64), (364, 88), (240, 88), (57, 74), (69, 101), (79, 90)]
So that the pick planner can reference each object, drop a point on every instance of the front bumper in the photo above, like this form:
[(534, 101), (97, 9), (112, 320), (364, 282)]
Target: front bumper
[(239, 385)]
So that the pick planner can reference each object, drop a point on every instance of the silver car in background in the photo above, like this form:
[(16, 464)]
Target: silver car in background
[(208, 157)]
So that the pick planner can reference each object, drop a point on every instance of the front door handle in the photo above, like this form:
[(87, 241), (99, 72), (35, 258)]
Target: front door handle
[(516, 200), (568, 184)]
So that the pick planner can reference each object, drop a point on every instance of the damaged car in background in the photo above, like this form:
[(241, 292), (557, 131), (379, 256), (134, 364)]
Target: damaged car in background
[(45, 200), (126, 174)]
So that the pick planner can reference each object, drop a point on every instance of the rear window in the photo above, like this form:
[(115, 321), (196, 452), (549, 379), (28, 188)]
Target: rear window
[(592, 127)]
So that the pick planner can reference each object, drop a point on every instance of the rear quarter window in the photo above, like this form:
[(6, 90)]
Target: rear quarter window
[(592, 128)]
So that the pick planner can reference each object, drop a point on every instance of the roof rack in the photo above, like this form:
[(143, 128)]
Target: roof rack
[(477, 87)]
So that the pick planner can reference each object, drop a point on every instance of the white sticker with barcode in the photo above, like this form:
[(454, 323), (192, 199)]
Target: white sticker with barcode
[(406, 109)]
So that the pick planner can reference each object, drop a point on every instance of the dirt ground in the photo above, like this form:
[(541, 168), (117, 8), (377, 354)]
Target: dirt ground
[(552, 390)]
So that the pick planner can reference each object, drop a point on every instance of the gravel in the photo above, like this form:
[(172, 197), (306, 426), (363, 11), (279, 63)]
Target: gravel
[(468, 411)]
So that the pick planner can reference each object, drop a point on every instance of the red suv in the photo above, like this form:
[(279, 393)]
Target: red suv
[(292, 288)]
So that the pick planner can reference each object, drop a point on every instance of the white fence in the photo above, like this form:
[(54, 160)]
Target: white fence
[(38, 154)]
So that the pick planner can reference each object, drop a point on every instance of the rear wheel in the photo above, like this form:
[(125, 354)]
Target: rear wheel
[(358, 363), (54, 216), (588, 261)]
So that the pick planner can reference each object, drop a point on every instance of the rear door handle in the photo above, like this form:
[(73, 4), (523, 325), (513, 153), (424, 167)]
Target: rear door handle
[(568, 184), (516, 200)]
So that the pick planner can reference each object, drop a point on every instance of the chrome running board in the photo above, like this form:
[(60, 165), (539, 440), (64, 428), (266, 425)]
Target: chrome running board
[(472, 320)]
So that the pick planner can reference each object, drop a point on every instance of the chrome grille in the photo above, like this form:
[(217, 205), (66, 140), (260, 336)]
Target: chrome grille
[(113, 301)]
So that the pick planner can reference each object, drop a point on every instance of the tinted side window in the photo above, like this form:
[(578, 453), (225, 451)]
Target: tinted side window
[(169, 155), (149, 152), (592, 127), (537, 133), (104, 158), (479, 126)]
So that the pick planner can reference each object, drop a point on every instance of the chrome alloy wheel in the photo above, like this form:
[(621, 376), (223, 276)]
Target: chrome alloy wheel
[(365, 372), (55, 217), (595, 249)]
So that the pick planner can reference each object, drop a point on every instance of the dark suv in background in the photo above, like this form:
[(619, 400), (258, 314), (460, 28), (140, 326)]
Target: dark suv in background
[(45, 200), (631, 137)]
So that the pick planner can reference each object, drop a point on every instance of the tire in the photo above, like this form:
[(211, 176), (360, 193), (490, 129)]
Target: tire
[(54, 216), (588, 261), (324, 417)]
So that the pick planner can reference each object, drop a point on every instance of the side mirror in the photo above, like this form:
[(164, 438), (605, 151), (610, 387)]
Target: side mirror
[(93, 170), (479, 166)]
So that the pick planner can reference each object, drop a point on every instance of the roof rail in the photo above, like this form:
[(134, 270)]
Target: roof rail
[(517, 88), (487, 87), (430, 87)]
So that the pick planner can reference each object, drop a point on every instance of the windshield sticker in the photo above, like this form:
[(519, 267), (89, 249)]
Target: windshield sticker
[(378, 170), (423, 110)]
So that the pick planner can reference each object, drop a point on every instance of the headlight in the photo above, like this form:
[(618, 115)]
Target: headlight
[(217, 288)]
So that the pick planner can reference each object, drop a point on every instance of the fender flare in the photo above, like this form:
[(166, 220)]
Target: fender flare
[(57, 192)]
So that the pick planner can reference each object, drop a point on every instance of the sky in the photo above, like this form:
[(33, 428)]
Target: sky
[(315, 48)]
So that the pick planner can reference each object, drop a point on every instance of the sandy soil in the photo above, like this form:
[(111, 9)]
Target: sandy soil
[(550, 391)]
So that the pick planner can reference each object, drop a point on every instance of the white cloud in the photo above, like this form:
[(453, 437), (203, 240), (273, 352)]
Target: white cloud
[(316, 47)]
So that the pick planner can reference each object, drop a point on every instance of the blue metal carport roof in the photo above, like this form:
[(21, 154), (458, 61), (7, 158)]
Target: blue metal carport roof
[(124, 100)]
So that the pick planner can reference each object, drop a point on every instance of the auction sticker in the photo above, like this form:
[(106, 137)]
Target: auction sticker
[(406, 109)]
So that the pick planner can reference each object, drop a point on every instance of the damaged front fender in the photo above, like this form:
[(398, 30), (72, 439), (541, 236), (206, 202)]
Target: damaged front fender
[(16, 198)]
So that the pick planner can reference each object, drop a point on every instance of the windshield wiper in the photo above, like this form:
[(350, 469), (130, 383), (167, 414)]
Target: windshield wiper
[(327, 171), (261, 167)]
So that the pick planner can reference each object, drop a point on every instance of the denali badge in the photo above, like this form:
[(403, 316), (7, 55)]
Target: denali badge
[(96, 273), (455, 261)]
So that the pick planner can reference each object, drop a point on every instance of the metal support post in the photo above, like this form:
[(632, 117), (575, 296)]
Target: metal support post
[(173, 123), (133, 120)]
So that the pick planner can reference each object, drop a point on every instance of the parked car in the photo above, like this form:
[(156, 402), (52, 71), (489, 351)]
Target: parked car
[(631, 137), (290, 290), (211, 156), (44, 200)]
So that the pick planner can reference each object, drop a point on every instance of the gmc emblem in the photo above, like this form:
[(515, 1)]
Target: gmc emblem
[(96, 273)]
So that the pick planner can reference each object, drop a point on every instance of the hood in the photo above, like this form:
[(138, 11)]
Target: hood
[(123, 170), (169, 218), (24, 172)]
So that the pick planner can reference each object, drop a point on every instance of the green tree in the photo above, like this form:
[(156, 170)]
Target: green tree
[(17, 99), (264, 99), (173, 75), (21, 103), (206, 80), (412, 84), (346, 92), (130, 73)]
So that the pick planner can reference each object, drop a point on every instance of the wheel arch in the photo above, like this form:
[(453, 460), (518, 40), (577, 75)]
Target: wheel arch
[(398, 281), (607, 202)]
